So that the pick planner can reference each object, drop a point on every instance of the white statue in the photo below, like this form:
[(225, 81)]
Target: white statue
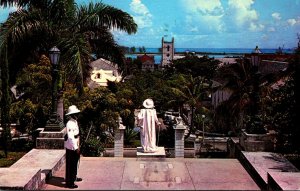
[(147, 119)]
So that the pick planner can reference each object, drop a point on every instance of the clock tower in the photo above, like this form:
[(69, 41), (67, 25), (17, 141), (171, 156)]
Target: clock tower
[(167, 52)]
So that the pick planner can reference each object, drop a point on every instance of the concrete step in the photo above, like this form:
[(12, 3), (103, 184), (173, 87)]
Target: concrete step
[(17, 179), (32, 170), (259, 164)]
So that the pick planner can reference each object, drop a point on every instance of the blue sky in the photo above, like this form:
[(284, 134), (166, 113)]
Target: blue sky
[(209, 23)]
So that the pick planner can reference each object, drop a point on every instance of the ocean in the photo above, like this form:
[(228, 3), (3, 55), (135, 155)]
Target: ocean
[(221, 50), (212, 52)]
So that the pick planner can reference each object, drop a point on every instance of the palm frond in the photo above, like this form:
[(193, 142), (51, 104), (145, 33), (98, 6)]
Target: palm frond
[(102, 15), (19, 26), (76, 56)]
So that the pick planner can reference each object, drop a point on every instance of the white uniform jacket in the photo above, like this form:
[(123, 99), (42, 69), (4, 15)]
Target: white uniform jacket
[(72, 128)]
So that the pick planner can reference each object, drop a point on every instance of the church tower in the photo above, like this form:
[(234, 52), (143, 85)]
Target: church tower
[(167, 52)]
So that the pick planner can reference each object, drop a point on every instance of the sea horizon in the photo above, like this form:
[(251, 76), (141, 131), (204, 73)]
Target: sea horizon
[(212, 52), (223, 50)]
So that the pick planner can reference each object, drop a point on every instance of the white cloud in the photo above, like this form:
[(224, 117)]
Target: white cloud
[(204, 7), (207, 14), (293, 22), (194, 29), (141, 14), (242, 11), (243, 15), (276, 16), (256, 27)]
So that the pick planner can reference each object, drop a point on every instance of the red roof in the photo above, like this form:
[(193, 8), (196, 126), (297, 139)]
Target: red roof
[(145, 58)]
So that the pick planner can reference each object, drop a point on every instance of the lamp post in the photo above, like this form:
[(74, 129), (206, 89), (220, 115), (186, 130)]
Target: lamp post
[(203, 116), (53, 124)]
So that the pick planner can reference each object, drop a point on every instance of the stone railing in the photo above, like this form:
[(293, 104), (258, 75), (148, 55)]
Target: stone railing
[(119, 140), (179, 138)]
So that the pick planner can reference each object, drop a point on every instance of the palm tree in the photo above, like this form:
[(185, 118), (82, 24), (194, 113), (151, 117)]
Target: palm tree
[(239, 80), (38, 25), (189, 90), (247, 85), (76, 30), (5, 101)]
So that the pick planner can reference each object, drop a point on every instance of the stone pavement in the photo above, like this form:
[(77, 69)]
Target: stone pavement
[(107, 173)]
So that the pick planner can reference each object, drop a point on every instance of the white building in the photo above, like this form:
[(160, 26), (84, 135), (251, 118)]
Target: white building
[(102, 72)]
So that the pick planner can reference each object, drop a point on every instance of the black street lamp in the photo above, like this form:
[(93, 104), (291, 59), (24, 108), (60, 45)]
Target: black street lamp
[(54, 122)]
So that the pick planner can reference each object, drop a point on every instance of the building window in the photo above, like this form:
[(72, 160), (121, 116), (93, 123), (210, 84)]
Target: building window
[(168, 48), (98, 76)]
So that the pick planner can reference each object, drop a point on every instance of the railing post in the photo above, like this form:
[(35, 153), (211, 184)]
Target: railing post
[(179, 138), (119, 140)]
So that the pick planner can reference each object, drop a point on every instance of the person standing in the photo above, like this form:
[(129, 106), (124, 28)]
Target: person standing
[(72, 147), (147, 121)]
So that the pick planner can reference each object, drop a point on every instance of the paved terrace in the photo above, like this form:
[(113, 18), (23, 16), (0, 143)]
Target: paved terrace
[(157, 174), (45, 169)]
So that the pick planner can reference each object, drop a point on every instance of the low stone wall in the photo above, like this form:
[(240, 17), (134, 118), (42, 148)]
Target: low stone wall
[(50, 140), (32, 170), (20, 179), (257, 142)]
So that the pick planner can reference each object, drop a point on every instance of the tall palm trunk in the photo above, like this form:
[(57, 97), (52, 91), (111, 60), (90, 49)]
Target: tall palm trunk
[(5, 101), (191, 128)]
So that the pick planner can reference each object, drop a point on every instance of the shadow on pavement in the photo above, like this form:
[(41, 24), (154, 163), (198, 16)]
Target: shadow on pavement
[(57, 181)]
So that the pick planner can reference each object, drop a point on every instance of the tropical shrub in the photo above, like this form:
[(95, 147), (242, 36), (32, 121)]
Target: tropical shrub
[(92, 148)]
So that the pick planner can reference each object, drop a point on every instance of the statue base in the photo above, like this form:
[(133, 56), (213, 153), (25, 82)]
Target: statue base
[(160, 153), (50, 140)]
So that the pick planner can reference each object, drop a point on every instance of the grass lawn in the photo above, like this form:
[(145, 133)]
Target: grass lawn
[(11, 158)]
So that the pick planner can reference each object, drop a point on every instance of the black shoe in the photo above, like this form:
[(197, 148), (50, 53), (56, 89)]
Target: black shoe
[(78, 179), (71, 186)]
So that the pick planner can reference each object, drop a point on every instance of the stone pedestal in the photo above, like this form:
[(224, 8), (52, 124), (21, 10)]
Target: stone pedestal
[(50, 139), (160, 153), (179, 138), (119, 141), (197, 146)]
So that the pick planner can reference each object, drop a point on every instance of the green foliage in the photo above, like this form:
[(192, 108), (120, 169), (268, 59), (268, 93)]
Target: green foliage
[(5, 98), (196, 66), (142, 49), (34, 81), (282, 116), (223, 121), (254, 124), (18, 145), (130, 136), (101, 108), (246, 86), (92, 148), (34, 84), (10, 159), (77, 30), (132, 49), (167, 135)]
